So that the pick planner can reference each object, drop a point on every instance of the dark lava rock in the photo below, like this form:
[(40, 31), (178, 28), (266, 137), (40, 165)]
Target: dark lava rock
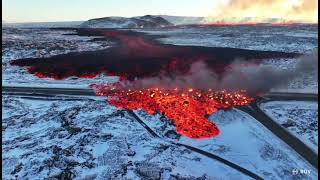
[(172, 134), (289, 123), (131, 152), (149, 171), (180, 177)]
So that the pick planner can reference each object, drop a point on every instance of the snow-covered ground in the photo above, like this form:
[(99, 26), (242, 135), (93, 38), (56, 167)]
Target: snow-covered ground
[(85, 138), (244, 141), (298, 117), (299, 38), (34, 43)]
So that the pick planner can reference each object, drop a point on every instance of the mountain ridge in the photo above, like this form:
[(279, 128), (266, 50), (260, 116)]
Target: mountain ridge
[(147, 21)]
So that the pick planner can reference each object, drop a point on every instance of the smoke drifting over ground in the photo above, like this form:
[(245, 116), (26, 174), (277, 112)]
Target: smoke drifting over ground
[(240, 76), (266, 11), (263, 78)]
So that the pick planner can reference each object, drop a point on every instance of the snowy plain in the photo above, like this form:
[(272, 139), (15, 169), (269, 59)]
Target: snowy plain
[(299, 117)]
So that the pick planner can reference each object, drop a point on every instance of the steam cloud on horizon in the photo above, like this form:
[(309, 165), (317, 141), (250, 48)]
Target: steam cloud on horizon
[(266, 11), (253, 79)]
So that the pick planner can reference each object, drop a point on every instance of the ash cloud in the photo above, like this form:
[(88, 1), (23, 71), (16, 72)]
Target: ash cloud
[(241, 76)]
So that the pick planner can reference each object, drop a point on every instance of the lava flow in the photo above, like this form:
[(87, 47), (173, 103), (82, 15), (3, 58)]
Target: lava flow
[(138, 55), (187, 108)]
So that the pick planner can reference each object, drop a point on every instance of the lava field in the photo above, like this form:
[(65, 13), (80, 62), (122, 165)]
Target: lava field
[(139, 55)]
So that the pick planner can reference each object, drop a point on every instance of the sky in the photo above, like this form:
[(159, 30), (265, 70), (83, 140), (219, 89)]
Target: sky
[(77, 10)]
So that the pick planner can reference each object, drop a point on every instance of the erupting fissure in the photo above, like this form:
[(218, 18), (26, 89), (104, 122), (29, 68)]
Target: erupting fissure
[(187, 108)]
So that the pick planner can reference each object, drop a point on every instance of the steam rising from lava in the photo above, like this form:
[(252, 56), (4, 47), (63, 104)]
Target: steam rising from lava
[(239, 76), (266, 11), (264, 78)]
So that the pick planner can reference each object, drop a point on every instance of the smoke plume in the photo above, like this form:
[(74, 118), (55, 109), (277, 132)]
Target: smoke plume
[(263, 78), (253, 79), (266, 11)]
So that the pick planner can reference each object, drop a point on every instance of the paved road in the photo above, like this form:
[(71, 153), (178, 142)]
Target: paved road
[(295, 143), (281, 96), (40, 91), (253, 109), (89, 92)]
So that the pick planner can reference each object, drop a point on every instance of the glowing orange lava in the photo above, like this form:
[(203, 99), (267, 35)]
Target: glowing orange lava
[(187, 108)]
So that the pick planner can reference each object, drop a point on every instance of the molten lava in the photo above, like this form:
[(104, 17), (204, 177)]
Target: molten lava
[(187, 108)]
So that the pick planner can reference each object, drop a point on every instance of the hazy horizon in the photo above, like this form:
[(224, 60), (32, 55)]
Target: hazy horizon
[(15, 11), (5, 21), (221, 11)]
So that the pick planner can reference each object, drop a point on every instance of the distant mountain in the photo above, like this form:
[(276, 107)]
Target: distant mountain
[(147, 21)]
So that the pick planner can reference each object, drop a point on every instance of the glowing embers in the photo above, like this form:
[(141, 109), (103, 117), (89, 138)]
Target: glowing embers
[(187, 108)]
